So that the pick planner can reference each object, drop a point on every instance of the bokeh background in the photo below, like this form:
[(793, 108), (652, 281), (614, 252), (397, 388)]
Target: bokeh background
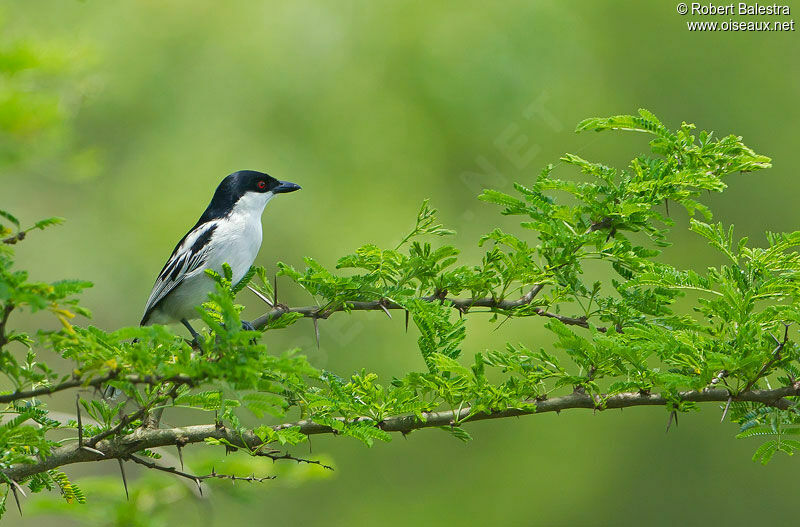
[(373, 107)]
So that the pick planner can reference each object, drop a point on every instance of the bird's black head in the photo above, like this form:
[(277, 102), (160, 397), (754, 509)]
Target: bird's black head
[(243, 181), (240, 184)]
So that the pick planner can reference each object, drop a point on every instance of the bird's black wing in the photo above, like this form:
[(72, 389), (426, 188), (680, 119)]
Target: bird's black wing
[(189, 255)]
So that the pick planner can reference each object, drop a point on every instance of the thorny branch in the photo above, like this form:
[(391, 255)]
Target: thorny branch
[(276, 455), (197, 479), (112, 444), (127, 445), (95, 382), (463, 305)]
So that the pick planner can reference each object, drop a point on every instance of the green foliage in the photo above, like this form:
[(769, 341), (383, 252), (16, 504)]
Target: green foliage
[(40, 87), (779, 428), (626, 334)]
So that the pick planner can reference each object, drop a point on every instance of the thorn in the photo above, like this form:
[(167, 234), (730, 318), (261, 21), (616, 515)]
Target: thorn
[(199, 486), (262, 297), (124, 479), (16, 498), (180, 455), (672, 415), (666, 204), (406, 320), (19, 488), (275, 289), (385, 310), (80, 425), (92, 450), (725, 411), (316, 330)]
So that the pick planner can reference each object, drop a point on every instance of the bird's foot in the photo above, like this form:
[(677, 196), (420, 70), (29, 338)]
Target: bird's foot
[(247, 326)]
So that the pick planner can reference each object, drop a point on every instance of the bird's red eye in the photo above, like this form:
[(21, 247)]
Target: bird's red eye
[(262, 184)]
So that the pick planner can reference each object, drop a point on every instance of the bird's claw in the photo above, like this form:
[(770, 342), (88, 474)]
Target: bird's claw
[(247, 326)]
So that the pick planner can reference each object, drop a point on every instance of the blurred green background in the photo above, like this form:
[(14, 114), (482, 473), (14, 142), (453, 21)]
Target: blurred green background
[(372, 107)]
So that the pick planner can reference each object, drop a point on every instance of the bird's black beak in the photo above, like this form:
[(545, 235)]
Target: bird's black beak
[(285, 186)]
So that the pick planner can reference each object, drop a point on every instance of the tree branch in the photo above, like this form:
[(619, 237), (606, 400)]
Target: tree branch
[(462, 304), (125, 446), (197, 479), (95, 383)]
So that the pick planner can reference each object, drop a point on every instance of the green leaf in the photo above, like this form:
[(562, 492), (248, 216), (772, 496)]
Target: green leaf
[(457, 432), (9, 217)]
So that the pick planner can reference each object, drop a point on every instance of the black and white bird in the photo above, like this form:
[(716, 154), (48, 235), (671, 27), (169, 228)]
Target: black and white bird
[(229, 231)]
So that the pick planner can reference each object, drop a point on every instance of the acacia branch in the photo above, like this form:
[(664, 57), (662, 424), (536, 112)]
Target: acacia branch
[(125, 446), (96, 382), (461, 304), (197, 479)]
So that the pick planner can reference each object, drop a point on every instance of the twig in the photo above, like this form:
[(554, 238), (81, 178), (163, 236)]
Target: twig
[(124, 421), (775, 357), (96, 383), (274, 456), (7, 309), (81, 446), (152, 419), (197, 479)]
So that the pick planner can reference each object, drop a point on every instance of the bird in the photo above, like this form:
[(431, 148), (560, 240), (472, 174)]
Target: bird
[(229, 231)]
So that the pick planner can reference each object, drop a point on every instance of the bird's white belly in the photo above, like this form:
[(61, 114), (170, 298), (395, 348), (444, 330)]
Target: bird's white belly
[(236, 243)]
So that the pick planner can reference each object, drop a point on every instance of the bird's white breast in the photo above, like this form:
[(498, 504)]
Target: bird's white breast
[(235, 241)]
